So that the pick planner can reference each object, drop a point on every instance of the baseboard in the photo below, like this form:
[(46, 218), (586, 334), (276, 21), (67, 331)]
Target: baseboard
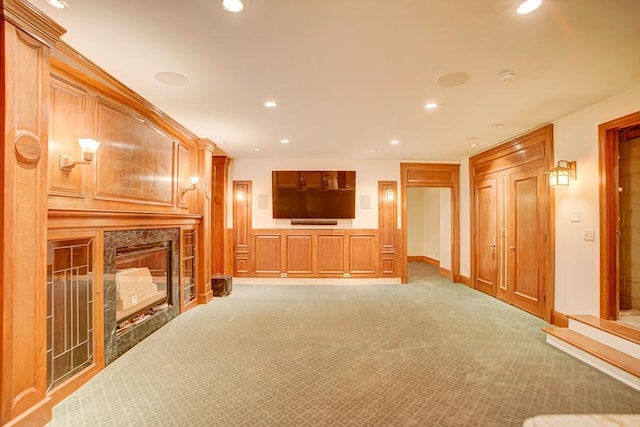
[(446, 273), (424, 259), (559, 319), (465, 280)]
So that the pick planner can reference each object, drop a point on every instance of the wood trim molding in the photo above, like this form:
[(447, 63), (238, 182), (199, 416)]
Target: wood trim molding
[(387, 226), (70, 62), (465, 280), (32, 21), (608, 170), (424, 259), (559, 319), (432, 175), (242, 239)]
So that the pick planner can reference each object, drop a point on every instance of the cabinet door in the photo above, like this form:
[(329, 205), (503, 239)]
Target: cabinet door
[(486, 236), (526, 251)]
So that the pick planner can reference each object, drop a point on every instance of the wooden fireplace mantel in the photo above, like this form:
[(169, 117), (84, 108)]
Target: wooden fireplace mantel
[(112, 220)]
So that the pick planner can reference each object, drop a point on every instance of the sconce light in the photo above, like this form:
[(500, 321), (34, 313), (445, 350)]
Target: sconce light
[(240, 195), (194, 184), (388, 194), (89, 148), (563, 173)]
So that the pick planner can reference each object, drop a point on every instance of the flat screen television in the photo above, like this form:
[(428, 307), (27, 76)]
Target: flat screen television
[(314, 194)]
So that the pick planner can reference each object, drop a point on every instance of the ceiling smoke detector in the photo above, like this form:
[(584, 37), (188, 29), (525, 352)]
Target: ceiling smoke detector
[(507, 76)]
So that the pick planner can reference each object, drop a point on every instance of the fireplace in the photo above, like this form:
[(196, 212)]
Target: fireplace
[(141, 285)]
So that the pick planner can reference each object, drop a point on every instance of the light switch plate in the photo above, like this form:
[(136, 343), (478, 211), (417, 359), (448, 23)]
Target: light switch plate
[(574, 216)]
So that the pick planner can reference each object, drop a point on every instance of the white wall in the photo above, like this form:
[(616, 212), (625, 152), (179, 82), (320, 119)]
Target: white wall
[(368, 173), (577, 260), (444, 198), (423, 222), (415, 222)]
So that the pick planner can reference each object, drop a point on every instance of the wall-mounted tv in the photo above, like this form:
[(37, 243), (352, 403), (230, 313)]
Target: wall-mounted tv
[(314, 194)]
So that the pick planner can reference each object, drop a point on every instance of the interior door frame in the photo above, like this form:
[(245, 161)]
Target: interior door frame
[(433, 175), (522, 151), (609, 212)]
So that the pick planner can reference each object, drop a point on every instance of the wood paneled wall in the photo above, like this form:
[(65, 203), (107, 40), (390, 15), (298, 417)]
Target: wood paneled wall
[(26, 37), (314, 253), (241, 227), (138, 166), (317, 252)]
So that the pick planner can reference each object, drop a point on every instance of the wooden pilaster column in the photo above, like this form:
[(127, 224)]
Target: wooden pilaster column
[(26, 39), (205, 154), (219, 215)]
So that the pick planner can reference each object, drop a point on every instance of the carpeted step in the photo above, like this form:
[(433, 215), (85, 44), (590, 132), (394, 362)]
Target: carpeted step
[(615, 328), (610, 355)]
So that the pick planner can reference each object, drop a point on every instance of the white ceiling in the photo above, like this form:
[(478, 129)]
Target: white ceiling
[(350, 75)]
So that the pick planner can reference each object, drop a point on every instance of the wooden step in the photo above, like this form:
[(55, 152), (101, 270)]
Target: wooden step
[(628, 333), (610, 355)]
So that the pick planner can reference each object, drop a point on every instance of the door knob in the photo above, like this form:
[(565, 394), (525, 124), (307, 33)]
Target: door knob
[(512, 248), (493, 246)]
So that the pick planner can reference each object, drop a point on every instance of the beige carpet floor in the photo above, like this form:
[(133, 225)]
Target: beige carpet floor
[(430, 353)]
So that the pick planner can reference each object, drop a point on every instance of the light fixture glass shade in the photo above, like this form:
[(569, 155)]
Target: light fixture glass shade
[(562, 174), (233, 6), (89, 147), (388, 195), (194, 180), (240, 195)]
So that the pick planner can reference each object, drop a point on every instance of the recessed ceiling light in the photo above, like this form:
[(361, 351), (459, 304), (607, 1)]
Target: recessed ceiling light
[(58, 4), (528, 6), (394, 142), (256, 149), (172, 79), (474, 145), (284, 141), (233, 6), (431, 106), (270, 104)]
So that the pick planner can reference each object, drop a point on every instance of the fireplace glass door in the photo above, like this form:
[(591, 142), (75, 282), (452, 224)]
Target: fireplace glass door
[(70, 329)]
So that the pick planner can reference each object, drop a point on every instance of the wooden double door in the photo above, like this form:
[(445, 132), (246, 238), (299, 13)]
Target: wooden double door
[(512, 242)]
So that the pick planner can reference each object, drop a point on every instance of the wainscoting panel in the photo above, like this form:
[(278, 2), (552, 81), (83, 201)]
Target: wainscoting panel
[(330, 254), (299, 254), (68, 113), (123, 138), (267, 253), (362, 254), (321, 253)]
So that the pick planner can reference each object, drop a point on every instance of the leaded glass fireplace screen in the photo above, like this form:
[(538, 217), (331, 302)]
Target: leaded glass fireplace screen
[(70, 330)]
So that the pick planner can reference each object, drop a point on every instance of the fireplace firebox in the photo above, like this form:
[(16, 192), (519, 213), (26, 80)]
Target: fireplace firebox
[(141, 285)]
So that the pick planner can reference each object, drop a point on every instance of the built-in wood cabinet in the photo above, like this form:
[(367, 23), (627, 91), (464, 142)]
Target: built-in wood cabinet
[(512, 222)]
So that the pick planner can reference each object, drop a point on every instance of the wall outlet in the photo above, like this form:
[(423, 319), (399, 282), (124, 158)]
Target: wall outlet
[(589, 235), (345, 275), (283, 274)]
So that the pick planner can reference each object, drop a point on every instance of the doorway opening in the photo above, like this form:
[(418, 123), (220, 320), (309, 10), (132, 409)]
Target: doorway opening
[(429, 227), (439, 176), (619, 226)]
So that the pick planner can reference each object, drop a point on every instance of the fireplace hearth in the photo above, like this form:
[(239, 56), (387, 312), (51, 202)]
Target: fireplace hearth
[(141, 286)]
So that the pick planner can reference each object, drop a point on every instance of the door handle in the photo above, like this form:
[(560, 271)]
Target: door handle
[(492, 246), (512, 248)]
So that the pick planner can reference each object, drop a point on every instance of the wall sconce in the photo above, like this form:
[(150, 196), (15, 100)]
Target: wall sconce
[(89, 148), (389, 194), (194, 184), (240, 195), (563, 173)]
